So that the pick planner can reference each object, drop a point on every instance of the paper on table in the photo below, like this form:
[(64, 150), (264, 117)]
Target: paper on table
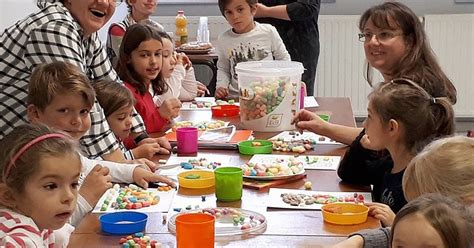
[(274, 199), (166, 198), (218, 135), (310, 162), (173, 172), (321, 140), (310, 101)]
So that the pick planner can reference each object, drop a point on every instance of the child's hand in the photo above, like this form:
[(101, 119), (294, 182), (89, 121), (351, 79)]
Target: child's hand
[(222, 92), (306, 120), (201, 89), (95, 184), (165, 146), (147, 164), (382, 212), (147, 150), (184, 60), (355, 241), (142, 177), (169, 109)]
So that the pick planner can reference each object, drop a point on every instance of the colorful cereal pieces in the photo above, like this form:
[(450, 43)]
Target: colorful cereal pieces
[(278, 167), (304, 199), (201, 163), (129, 197), (256, 143), (192, 176), (139, 240), (296, 146), (308, 185), (164, 188)]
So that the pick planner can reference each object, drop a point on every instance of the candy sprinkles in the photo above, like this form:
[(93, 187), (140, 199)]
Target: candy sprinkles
[(200, 163), (129, 197), (279, 167), (304, 199), (268, 95), (139, 240)]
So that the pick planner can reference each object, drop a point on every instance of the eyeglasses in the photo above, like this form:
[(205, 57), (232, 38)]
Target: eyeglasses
[(381, 37)]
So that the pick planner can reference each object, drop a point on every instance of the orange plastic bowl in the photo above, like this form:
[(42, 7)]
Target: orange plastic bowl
[(225, 110), (344, 213)]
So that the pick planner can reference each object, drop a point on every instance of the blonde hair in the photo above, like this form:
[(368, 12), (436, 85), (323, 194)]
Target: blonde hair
[(28, 163), (445, 166), (112, 96), (50, 80)]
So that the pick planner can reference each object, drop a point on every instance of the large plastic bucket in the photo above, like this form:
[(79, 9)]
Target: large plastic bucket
[(268, 94)]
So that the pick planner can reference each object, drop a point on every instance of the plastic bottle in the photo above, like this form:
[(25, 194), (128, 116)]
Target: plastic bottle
[(181, 28)]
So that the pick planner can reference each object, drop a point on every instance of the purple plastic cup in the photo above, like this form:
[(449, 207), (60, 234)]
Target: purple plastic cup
[(187, 138)]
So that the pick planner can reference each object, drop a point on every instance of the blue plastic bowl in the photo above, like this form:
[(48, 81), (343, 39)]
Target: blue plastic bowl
[(123, 222)]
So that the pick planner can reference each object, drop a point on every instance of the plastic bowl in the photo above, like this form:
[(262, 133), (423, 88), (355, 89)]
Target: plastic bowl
[(205, 180), (123, 222), (225, 110), (249, 147), (344, 213)]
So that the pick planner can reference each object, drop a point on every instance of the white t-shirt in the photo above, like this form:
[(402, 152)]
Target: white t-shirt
[(261, 43)]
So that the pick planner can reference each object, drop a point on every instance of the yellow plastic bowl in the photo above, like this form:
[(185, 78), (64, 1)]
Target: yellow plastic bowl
[(205, 180), (344, 213)]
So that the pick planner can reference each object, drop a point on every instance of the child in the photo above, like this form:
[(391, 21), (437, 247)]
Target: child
[(178, 74), (61, 97), (139, 12), (246, 41), (445, 166), (403, 118), (139, 66), (433, 220), (117, 102), (40, 171)]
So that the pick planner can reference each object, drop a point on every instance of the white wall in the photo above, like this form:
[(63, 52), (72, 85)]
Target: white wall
[(13, 10)]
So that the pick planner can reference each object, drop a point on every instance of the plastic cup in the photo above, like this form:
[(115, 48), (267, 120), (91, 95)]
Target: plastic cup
[(187, 139), (195, 230), (228, 183)]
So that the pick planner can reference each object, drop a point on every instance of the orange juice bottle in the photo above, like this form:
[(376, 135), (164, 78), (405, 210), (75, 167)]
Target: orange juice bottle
[(181, 28)]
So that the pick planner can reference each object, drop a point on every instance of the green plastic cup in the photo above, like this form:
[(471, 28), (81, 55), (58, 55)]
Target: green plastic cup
[(228, 183)]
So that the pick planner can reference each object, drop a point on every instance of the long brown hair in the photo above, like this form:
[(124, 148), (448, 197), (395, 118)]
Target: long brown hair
[(453, 221), (424, 117), (419, 63), (135, 35), (113, 96)]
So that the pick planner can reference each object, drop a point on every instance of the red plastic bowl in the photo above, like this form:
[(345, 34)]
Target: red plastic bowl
[(225, 110)]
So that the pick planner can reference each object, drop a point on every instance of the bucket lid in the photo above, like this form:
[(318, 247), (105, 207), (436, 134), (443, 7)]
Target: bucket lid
[(270, 67)]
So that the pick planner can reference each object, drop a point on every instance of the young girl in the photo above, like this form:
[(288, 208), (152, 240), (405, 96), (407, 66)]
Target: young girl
[(40, 170), (445, 166), (117, 102), (139, 12), (178, 74), (139, 66), (402, 119), (433, 220)]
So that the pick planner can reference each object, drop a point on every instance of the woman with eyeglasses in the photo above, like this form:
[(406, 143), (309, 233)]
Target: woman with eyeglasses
[(396, 45), (61, 30)]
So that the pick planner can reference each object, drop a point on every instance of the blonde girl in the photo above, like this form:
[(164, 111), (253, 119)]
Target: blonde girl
[(178, 74), (40, 170)]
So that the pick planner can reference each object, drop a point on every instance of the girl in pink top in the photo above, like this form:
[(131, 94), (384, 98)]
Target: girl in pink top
[(139, 65)]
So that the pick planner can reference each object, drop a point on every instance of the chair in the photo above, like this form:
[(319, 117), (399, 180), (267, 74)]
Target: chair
[(210, 64)]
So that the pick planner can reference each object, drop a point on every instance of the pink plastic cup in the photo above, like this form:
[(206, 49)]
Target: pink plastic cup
[(187, 138)]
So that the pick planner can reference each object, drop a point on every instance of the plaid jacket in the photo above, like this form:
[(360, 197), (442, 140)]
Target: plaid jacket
[(52, 34)]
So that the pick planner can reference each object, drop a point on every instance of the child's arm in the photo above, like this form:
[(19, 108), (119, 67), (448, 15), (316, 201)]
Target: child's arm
[(223, 71), (278, 47)]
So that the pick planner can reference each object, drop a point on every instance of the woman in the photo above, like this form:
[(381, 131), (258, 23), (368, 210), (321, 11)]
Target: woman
[(396, 45), (61, 30)]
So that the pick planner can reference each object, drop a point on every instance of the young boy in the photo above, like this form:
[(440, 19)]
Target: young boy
[(247, 40), (60, 96)]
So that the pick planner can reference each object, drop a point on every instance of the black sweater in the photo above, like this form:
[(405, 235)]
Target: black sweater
[(366, 167)]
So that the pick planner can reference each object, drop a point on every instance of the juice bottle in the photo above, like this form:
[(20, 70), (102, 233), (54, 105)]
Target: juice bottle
[(181, 28)]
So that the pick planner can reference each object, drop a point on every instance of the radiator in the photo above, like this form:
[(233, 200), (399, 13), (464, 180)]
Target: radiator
[(342, 62), (452, 39)]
